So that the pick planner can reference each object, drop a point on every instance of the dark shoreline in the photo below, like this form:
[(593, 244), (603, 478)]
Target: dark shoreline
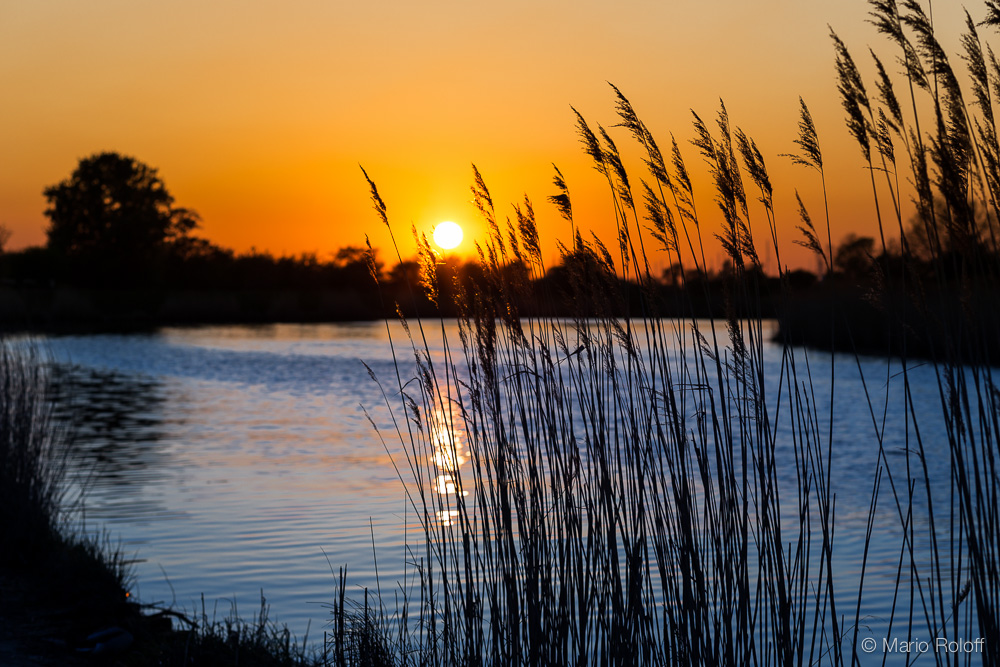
[(66, 309), (837, 317)]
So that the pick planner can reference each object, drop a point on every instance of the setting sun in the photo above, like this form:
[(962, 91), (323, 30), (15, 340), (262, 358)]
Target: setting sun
[(448, 235)]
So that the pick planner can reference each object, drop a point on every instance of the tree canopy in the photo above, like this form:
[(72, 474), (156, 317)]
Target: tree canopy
[(114, 214)]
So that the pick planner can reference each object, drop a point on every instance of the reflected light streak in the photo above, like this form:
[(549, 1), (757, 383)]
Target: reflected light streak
[(449, 454), (447, 517), (445, 485), (446, 439)]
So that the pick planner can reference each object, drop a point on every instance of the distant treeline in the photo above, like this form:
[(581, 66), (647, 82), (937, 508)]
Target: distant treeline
[(200, 282), (119, 253), (194, 281)]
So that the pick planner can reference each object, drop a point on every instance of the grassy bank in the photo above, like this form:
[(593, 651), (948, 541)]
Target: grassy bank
[(64, 593)]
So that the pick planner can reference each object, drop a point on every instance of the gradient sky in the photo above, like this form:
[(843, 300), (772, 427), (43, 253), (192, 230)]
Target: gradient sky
[(257, 114)]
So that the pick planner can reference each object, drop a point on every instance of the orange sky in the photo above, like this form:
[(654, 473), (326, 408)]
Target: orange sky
[(257, 113)]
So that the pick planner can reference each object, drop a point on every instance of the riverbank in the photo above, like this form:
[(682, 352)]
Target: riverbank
[(957, 325), (68, 308), (64, 593), (66, 602), (67, 609), (72, 309), (838, 315)]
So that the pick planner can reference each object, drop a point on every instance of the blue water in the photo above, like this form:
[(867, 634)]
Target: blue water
[(238, 460)]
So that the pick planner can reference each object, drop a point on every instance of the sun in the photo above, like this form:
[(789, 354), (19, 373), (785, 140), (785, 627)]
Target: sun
[(447, 235)]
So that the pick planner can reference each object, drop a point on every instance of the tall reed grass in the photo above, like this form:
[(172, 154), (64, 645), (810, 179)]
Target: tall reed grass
[(612, 489), (31, 465)]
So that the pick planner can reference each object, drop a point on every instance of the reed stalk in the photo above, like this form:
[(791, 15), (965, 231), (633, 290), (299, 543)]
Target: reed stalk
[(616, 488)]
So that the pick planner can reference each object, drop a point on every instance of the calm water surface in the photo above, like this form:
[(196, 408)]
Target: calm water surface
[(234, 460)]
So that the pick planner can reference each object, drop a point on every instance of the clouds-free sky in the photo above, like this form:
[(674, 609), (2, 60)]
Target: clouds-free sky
[(258, 113)]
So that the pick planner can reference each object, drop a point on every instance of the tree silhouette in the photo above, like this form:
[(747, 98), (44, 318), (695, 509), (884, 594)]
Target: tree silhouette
[(114, 219), (854, 256)]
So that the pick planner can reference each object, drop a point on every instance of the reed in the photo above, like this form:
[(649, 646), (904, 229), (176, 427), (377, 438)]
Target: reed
[(31, 466), (620, 499), (231, 639), (605, 489), (954, 169), (615, 488)]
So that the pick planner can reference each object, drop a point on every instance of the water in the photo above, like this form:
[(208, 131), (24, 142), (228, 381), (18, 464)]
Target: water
[(235, 460)]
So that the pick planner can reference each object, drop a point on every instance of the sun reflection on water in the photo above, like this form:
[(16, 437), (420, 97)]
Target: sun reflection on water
[(449, 454), (447, 517), (445, 485)]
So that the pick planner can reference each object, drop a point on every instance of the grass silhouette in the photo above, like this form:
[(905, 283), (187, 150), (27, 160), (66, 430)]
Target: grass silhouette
[(623, 495)]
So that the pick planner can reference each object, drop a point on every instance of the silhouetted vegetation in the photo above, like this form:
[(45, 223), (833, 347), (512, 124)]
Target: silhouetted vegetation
[(113, 223), (31, 469), (617, 488), (120, 253), (654, 492)]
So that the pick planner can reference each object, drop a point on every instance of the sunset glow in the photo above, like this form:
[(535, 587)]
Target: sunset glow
[(257, 115), (599, 319)]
